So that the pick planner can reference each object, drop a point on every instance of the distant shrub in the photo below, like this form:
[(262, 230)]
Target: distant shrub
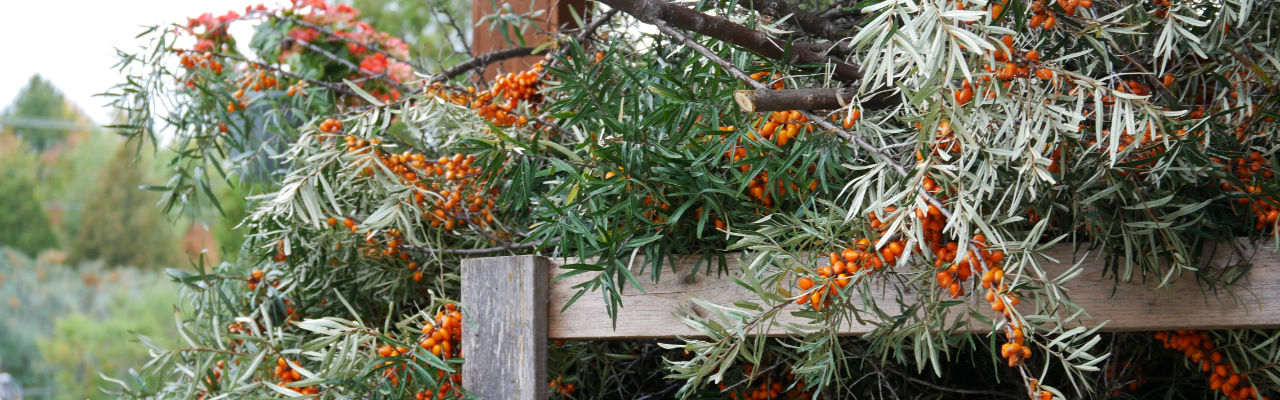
[(61, 327)]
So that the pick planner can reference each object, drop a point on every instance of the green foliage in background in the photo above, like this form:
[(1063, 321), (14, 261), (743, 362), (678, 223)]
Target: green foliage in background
[(24, 224), (235, 206), (430, 29), (38, 107), (60, 327), (70, 175), (121, 225)]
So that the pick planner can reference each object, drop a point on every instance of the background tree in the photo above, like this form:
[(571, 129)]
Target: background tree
[(63, 325), (120, 224), (25, 225), (36, 114)]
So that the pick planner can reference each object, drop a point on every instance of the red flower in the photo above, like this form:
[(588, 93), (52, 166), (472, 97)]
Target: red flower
[(230, 16), (400, 72), (355, 49), (374, 64), (304, 35), (205, 20), (204, 45), (344, 9)]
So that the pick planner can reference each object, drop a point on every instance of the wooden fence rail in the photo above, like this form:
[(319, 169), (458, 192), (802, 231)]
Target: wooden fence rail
[(514, 306)]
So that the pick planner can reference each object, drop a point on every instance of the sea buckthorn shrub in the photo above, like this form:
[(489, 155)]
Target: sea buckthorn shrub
[(975, 135)]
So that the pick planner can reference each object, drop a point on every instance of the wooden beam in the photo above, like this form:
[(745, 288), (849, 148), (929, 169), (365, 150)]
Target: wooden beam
[(1130, 307), (504, 327)]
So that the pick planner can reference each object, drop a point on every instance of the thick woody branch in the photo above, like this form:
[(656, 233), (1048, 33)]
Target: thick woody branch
[(660, 11), (808, 23), (762, 100)]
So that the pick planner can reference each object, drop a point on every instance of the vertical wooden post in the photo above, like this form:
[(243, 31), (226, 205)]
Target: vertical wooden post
[(558, 16), (504, 327)]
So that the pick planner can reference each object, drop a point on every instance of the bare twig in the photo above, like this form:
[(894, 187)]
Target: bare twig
[(595, 24), (337, 87), (934, 386), (481, 61), (461, 37)]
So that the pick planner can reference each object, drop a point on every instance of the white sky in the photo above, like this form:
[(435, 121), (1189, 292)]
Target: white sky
[(72, 43)]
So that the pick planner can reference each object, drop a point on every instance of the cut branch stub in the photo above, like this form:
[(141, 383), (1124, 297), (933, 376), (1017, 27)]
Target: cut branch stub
[(764, 100), (760, 100), (655, 11)]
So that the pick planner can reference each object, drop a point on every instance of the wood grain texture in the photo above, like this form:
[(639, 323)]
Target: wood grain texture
[(1125, 307), (504, 327)]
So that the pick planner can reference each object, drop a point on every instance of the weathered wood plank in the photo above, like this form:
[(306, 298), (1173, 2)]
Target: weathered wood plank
[(504, 328), (1132, 306)]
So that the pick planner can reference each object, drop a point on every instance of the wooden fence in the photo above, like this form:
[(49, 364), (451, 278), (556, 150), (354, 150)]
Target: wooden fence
[(513, 308)]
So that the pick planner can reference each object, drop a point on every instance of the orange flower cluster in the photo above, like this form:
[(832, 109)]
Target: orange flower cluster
[(331, 125), (1247, 170), (392, 372), (1133, 383), (212, 378), (652, 213), (443, 339), (200, 60), (852, 118), (254, 279), (564, 389), (770, 387), (288, 375), (758, 187), (1199, 347), (954, 271), (391, 241), (782, 126), (468, 201), (514, 88), (463, 197), (843, 265), (280, 255), (1163, 7)]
